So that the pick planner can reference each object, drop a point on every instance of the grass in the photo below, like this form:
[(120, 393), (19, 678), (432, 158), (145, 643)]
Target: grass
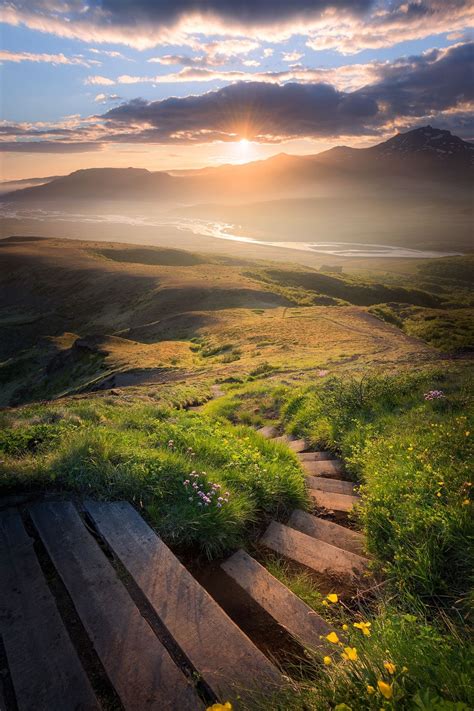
[(202, 483), (412, 456)]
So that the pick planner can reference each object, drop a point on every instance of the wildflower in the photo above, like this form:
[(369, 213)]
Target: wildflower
[(434, 395), (391, 668), (220, 707), (332, 637), (363, 627), (466, 502), (350, 654), (404, 670), (345, 627), (332, 597), (370, 689), (325, 603), (327, 661), (385, 689)]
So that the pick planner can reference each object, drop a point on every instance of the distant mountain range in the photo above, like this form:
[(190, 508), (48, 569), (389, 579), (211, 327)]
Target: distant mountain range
[(422, 155)]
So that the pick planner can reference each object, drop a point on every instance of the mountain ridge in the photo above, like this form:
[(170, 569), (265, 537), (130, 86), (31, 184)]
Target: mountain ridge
[(424, 152)]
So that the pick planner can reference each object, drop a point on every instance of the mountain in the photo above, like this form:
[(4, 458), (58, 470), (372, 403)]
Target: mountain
[(422, 155)]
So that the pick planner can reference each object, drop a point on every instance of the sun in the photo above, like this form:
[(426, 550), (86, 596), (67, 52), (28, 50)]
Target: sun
[(244, 143)]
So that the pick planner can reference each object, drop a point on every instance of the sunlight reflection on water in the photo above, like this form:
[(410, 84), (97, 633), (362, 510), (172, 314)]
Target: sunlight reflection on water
[(225, 231)]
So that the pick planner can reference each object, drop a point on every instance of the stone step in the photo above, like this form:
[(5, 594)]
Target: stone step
[(334, 486), (333, 502), (331, 469), (138, 665), (268, 431), (44, 667), (327, 531), (318, 555), (316, 456), (284, 606), (296, 445), (222, 654)]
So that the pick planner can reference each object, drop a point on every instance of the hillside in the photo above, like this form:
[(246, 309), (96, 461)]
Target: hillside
[(84, 314)]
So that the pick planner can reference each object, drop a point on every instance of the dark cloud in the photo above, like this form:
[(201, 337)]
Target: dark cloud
[(435, 81), (242, 11), (417, 86), (48, 147), (251, 109)]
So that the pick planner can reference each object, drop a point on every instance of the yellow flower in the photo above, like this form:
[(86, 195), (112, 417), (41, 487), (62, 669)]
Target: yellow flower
[(220, 707), (466, 502), (332, 597), (404, 670), (350, 654), (325, 603), (345, 628), (327, 661), (467, 433), (370, 689), (391, 668), (332, 637), (363, 627), (385, 689)]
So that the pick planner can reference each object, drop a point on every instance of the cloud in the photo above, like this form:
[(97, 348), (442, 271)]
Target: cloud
[(17, 57), (104, 98), (48, 147), (149, 23), (99, 81), (412, 87), (434, 87), (292, 56), (113, 54), (212, 54), (391, 23), (346, 26)]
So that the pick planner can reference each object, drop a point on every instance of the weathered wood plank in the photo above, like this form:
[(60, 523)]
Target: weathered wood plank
[(332, 468), (283, 605), (318, 555), (335, 486), (136, 662), (327, 531), (227, 660), (316, 456), (44, 666), (296, 445), (333, 501)]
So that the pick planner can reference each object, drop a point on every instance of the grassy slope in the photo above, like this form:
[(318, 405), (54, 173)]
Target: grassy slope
[(75, 313), (286, 353), (412, 456)]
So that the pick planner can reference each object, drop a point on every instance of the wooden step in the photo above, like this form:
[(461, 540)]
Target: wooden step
[(44, 666), (332, 501), (296, 445), (327, 531), (331, 469), (316, 456), (284, 606), (268, 431), (136, 662), (315, 554), (226, 659), (334, 486)]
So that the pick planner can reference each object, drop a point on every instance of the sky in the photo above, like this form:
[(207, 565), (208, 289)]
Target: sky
[(174, 84)]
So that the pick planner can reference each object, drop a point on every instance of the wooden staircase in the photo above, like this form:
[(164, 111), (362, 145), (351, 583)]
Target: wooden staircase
[(96, 612), (318, 544), (156, 636)]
